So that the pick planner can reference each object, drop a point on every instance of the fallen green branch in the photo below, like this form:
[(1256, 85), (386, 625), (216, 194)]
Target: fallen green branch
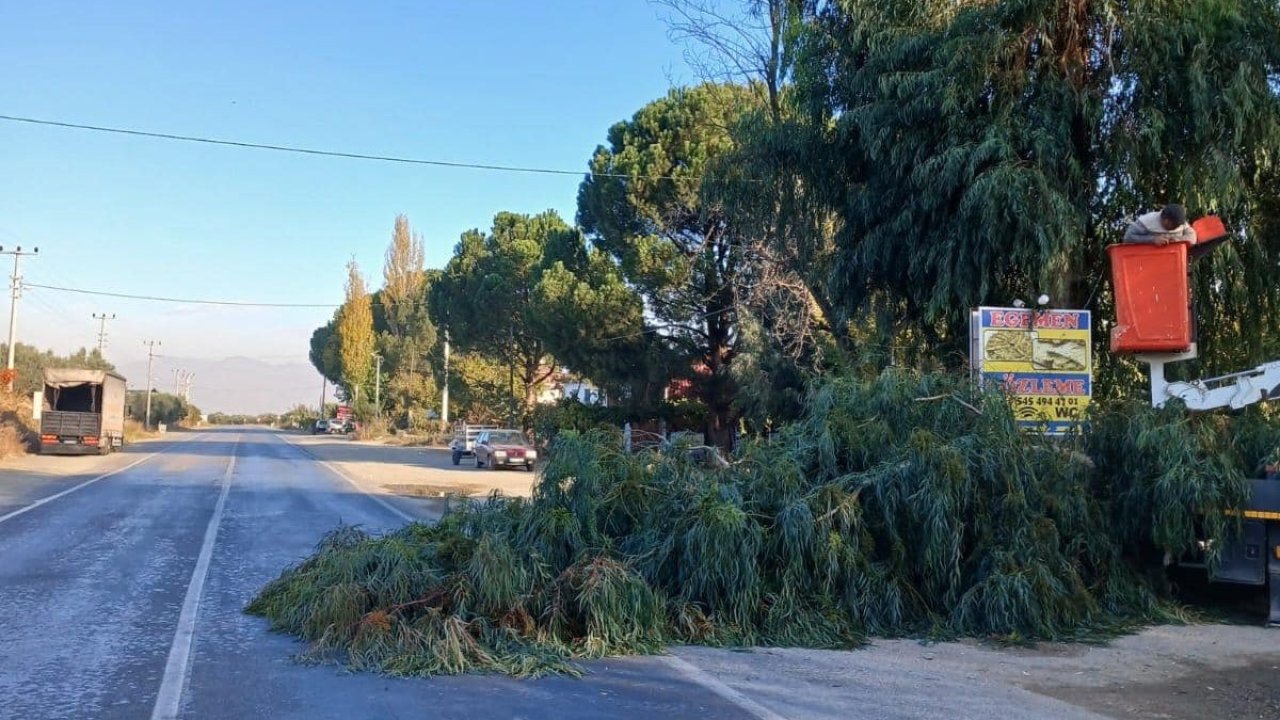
[(874, 516)]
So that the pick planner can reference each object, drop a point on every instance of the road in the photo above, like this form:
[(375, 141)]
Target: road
[(93, 585), (122, 583)]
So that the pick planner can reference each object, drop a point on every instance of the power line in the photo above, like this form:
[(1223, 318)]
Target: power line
[(184, 301), (248, 304), (196, 301), (334, 153)]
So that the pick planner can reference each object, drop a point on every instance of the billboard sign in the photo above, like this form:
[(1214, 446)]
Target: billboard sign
[(1041, 359)]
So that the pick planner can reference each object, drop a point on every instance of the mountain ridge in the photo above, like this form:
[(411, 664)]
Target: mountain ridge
[(235, 385)]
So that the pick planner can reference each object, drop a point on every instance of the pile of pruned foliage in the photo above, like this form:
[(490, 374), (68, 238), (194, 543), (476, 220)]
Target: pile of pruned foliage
[(907, 505)]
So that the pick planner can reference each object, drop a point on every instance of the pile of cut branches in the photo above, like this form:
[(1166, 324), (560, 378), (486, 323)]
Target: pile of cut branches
[(909, 505)]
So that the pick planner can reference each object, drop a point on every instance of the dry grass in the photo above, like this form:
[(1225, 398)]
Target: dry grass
[(373, 429), (16, 426), (134, 431)]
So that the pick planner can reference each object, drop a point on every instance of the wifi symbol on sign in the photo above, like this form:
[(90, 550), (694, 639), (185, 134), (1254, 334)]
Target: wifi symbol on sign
[(1026, 412)]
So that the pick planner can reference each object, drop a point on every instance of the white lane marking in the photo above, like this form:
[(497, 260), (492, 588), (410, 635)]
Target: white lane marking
[(169, 698), (710, 682), (350, 480), (85, 484)]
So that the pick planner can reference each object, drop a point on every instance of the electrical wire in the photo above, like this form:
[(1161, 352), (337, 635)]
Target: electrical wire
[(183, 301), (248, 304), (334, 153)]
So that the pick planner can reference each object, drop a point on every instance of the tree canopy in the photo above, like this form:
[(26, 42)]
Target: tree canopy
[(980, 152), (646, 205), (853, 178)]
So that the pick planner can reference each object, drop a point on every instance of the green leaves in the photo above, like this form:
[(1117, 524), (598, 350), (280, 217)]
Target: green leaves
[(531, 295), (973, 153), (647, 205), (889, 509)]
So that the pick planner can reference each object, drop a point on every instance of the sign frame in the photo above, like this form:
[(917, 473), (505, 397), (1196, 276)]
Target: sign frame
[(1041, 359)]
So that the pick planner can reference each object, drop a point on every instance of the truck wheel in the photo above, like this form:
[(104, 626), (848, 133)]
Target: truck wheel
[(457, 458)]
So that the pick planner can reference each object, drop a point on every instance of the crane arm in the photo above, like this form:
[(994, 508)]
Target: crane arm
[(1235, 390)]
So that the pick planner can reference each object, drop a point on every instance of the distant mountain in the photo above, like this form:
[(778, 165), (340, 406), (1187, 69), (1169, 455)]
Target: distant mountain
[(236, 385)]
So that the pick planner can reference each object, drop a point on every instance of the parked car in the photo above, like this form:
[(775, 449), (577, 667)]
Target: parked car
[(321, 427), (340, 427), (464, 440), (504, 448)]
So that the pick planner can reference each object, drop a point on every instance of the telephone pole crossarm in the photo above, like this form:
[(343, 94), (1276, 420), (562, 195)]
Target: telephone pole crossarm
[(102, 319)]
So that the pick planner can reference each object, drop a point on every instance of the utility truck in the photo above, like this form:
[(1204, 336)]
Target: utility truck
[(81, 412), (1155, 324)]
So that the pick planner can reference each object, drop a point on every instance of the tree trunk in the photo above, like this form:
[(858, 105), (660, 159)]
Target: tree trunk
[(719, 427)]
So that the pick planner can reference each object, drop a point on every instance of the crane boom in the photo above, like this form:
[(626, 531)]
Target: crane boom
[(1234, 390)]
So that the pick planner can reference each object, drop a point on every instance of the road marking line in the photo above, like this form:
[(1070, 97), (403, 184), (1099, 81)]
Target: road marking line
[(710, 682), (342, 474), (169, 698), (84, 484)]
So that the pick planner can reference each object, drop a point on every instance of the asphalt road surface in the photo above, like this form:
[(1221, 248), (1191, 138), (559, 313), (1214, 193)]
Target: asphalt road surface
[(123, 597)]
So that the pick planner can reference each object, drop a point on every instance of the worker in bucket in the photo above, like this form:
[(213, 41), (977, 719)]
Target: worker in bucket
[(1161, 227)]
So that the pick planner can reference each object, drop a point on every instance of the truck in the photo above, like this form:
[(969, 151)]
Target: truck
[(1155, 324), (81, 412)]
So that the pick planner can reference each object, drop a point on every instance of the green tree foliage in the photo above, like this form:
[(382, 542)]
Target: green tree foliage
[(479, 388), (906, 504), (486, 299), (593, 322), (406, 335), (166, 408), (646, 205), (31, 362), (324, 351), (977, 152), (354, 329)]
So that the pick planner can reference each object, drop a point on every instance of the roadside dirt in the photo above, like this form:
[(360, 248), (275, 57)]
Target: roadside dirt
[(418, 473), (1198, 691)]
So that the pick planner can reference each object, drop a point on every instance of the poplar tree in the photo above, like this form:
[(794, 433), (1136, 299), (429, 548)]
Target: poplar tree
[(355, 334)]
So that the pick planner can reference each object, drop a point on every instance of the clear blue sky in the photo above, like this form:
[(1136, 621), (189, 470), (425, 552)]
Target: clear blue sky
[(503, 82)]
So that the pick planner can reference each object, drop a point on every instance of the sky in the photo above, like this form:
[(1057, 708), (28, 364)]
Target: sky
[(506, 82)]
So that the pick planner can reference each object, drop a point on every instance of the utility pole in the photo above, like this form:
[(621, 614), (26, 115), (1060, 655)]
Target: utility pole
[(177, 383), (377, 384), (102, 319), (16, 292), (151, 354), (324, 389), (444, 404), (511, 382)]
